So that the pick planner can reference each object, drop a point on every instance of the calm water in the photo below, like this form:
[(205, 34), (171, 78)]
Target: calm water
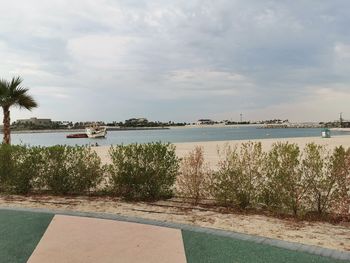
[(171, 135)]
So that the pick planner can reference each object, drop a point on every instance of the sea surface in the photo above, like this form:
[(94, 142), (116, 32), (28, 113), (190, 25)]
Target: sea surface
[(170, 135)]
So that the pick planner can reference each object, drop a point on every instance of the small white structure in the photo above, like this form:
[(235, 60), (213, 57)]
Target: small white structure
[(326, 133)]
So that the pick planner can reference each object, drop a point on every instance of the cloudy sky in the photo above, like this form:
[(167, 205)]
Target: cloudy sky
[(179, 60)]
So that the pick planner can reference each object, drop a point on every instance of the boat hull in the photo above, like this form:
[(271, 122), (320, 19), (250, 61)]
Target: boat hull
[(77, 135)]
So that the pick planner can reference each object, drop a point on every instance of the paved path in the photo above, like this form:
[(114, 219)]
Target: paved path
[(81, 239), (36, 237)]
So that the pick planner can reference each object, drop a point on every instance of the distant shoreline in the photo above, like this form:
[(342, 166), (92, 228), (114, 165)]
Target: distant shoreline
[(83, 130), (111, 128)]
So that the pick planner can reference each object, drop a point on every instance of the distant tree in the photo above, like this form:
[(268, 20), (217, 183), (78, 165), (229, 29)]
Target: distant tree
[(13, 94)]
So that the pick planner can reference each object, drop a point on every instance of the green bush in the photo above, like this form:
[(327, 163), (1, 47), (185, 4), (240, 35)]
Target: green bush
[(143, 171), (193, 179), (326, 177), (285, 186), (70, 170), (225, 181), (345, 192), (240, 175), (6, 164), (340, 173), (19, 166), (29, 164), (316, 167), (252, 161)]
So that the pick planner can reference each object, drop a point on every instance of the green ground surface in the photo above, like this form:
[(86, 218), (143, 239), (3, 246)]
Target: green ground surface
[(20, 232), (205, 248)]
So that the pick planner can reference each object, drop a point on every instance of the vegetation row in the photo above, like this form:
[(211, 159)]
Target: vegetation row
[(285, 179)]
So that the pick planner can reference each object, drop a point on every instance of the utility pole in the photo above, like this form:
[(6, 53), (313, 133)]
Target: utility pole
[(241, 117)]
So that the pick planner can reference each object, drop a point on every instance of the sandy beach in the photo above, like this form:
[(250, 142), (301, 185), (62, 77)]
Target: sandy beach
[(211, 147)]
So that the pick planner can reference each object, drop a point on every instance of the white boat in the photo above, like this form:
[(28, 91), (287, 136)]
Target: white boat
[(96, 132)]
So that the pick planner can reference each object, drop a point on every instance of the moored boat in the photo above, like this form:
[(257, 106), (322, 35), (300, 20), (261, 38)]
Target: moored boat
[(96, 132), (77, 135)]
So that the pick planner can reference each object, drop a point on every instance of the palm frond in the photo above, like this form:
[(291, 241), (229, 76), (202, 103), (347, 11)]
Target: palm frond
[(15, 83), (13, 94), (27, 102), (3, 91), (3, 86), (19, 91)]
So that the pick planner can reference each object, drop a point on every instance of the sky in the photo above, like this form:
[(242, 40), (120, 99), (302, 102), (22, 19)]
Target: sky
[(179, 60)]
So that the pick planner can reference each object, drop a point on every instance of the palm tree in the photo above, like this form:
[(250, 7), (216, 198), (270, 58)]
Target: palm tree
[(13, 94)]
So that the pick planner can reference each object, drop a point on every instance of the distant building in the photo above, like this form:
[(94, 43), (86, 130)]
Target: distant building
[(136, 121), (205, 122), (34, 121)]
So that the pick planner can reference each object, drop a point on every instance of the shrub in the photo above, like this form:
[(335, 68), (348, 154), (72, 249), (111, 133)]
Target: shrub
[(238, 180), (193, 179), (339, 196), (8, 157), (143, 171), (285, 187), (6, 162), (327, 177), (317, 166), (71, 170), (345, 190), (19, 166), (252, 162), (29, 164), (224, 181)]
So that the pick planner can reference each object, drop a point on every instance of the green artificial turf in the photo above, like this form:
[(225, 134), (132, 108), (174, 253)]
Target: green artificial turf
[(203, 248), (20, 232)]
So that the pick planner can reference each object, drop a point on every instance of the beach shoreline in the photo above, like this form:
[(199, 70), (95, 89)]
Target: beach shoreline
[(211, 147)]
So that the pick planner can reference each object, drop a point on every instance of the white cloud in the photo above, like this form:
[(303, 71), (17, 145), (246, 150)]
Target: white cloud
[(342, 50), (323, 103), (99, 51), (190, 82)]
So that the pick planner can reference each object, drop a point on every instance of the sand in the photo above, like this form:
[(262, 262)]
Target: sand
[(211, 147)]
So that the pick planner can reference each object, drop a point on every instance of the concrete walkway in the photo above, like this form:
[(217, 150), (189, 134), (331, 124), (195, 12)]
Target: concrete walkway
[(29, 235), (85, 240)]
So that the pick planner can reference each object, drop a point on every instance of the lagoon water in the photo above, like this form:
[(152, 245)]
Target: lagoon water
[(170, 135)]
